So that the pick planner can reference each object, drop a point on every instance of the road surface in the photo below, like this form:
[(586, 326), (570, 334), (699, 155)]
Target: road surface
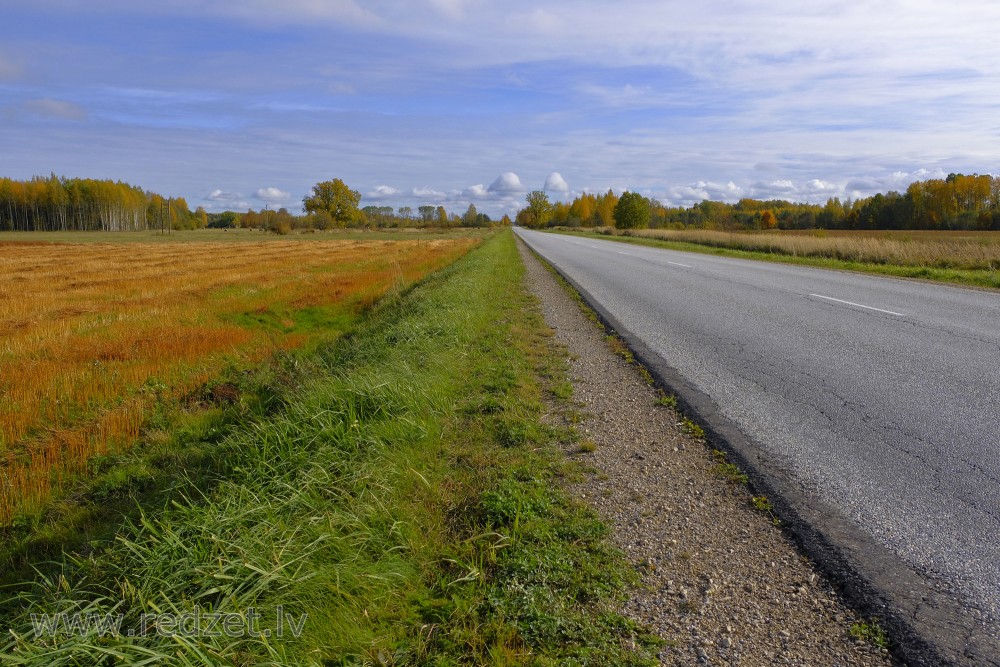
[(878, 397)]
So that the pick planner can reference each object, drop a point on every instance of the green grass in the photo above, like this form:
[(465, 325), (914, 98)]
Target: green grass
[(974, 278), (394, 492)]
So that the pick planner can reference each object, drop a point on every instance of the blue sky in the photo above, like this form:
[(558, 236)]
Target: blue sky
[(237, 104)]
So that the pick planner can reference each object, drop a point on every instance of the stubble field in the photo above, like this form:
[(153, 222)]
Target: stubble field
[(94, 335)]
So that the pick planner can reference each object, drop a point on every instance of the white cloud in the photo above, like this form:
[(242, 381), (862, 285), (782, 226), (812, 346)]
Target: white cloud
[(219, 199), (479, 191), (383, 192), (272, 195), (507, 183), (427, 193), (817, 186), (726, 192), (556, 183)]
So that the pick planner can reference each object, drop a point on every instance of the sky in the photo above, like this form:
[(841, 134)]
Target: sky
[(236, 104)]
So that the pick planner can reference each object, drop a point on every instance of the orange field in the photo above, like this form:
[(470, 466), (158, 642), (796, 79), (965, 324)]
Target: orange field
[(91, 335)]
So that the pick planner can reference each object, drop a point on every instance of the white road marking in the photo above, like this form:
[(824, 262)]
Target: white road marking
[(621, 252), (678, 264), (858, 305)]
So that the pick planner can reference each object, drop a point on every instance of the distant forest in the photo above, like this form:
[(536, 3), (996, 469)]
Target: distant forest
[(69, 204), (64, 204), (956, 202), (75, 204)]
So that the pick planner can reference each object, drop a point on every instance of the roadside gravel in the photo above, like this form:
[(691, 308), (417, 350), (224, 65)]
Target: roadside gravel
[(721, 584)]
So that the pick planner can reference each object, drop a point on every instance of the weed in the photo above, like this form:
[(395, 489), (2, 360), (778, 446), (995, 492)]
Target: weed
[(667, 400), (731, 473), (762, 504), (619, 347), (692, 429), (870, 632), (728, 471)]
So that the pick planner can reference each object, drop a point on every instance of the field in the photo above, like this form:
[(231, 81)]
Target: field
[(970, 258), (95, 335), (955, 250)]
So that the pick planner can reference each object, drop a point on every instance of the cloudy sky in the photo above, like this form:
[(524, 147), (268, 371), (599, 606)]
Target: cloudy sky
[(236, 104)]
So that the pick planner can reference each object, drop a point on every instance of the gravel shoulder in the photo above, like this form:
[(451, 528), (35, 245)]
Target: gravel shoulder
[(720, 582)]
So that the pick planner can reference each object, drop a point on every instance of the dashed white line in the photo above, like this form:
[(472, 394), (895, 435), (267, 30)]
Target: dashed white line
[(686, 266), (858, 305)]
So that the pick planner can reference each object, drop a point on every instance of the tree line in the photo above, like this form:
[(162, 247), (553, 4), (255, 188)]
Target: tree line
[(958, 202), (334, 205), (80, 204), (83, 204)]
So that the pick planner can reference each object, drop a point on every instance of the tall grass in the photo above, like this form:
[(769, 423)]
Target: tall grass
[(965, 258), (402, 503), (958, 250)]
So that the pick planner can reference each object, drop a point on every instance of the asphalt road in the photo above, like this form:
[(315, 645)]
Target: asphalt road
[(881, 397)]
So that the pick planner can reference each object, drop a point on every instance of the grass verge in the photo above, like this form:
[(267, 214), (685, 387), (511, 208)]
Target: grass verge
[(398, 502), (970, 277)]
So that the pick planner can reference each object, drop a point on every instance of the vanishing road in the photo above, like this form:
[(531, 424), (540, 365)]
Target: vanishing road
[(878, 397)]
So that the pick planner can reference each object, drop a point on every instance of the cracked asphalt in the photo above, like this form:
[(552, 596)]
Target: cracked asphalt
[(875, 399)]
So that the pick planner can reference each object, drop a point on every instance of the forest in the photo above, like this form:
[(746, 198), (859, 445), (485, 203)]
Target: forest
[(79, 204), (958, 202), (83, 204)]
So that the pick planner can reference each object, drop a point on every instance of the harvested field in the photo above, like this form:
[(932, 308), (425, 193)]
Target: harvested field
[(95, 334)]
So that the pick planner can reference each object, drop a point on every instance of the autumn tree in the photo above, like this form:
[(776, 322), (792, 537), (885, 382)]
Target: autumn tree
[(583, 209), (470, 217), (539, 209), (631, 211), (426, 213), (768, 220), (604, 213), (335, 198), (321, 220), (560, 215)]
